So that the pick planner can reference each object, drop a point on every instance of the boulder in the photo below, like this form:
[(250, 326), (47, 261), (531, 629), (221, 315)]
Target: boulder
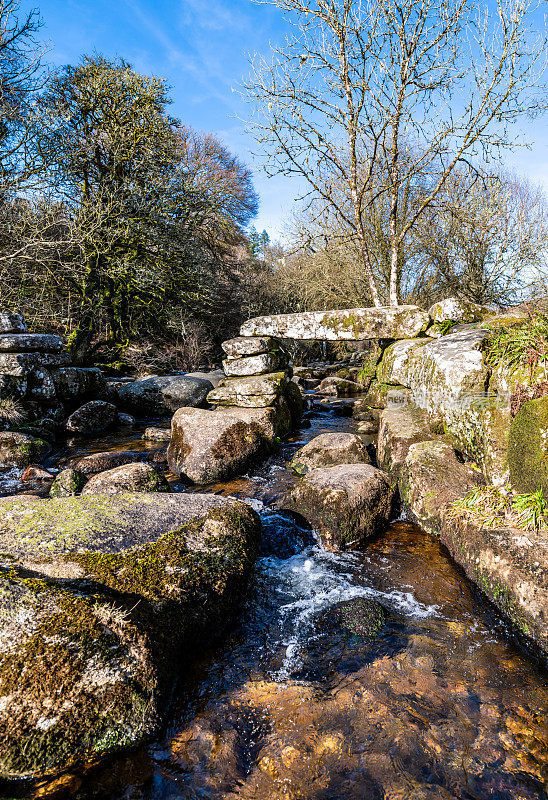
[(50, 360), (275, 421), (41, 385), (126, 420), (260, 364), (208, 446), (160, 396), (399, 428), (21, 449), (68, 483), (12, 386), (34, 473), (455, 310), (242, 346), (402, 322), (431, 479), (393, 367), (254, 392), (376, 394), (100, 462), (12, 323), (347, 504), (528, 447), (214, 376), (72, 383), (339, 387), (328, 449), (93, 417), (136, 477), (83, 673), (30, 342)]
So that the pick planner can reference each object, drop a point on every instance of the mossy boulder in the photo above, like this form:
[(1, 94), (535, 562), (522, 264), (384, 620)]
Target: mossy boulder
[(328, 449), (528, 447), (93, 417), (107, 459), (260, 364), (208, 446), (376, 394), (347, 503), (136, 477), (68, 483), (395, 359), (21, 449), (102, 599), (456, 310), (160, 396)]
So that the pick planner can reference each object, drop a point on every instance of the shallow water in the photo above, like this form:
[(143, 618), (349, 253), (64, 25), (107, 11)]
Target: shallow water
[(442, 704)]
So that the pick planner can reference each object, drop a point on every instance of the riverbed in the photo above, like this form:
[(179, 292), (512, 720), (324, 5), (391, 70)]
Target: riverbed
[(289, 704)]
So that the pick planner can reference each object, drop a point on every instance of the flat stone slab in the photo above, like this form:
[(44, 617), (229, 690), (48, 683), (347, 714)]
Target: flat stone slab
[(261, 364), (30, 342), (253, 392), (12, 323), (18, 364), (402, 322), (248, 346)]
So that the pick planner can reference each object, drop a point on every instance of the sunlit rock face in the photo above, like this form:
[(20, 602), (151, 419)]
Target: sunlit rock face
[(455, 310), (402, 322)]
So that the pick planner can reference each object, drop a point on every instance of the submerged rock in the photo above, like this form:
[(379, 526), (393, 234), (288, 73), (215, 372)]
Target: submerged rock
[(21, 449), (135, 477), (328, 449), (208, 446), (83, 673), (93, 417), (347, 503)]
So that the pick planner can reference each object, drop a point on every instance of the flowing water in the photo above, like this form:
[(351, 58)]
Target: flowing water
[(293, 705)]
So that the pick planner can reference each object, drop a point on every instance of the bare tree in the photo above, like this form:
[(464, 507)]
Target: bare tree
[(375, 94)]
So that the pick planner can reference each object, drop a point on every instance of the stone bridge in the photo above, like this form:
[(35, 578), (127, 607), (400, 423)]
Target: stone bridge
[(401, 322)]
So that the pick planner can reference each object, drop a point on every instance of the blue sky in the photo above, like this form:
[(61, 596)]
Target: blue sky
[(201, 48)]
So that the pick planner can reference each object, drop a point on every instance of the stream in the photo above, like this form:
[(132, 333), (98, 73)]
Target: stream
[(290, 704)]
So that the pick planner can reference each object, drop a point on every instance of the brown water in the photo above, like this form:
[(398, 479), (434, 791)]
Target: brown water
[(443, 704)]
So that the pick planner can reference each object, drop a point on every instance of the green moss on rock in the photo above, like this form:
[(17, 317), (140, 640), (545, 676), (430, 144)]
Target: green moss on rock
[(528, 447)]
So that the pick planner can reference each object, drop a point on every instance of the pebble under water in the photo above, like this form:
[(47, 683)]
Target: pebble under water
[(291, 704)]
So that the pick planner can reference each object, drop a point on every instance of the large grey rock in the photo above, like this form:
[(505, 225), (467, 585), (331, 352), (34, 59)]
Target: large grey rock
[(399, 428), (455, 310), (393, 368), (12, 323), (30, 342), (159, 396), (347, 503), (242, 346), (275, 421), (136, 477), (254, 392), (214, 376), (72, 383), (49, 360), (402, 322), (255, 365), (328, 449), (68, 483), (21, 449), (41, 385), (86, 674), (17, 364), (93, 417), (208, 446)]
